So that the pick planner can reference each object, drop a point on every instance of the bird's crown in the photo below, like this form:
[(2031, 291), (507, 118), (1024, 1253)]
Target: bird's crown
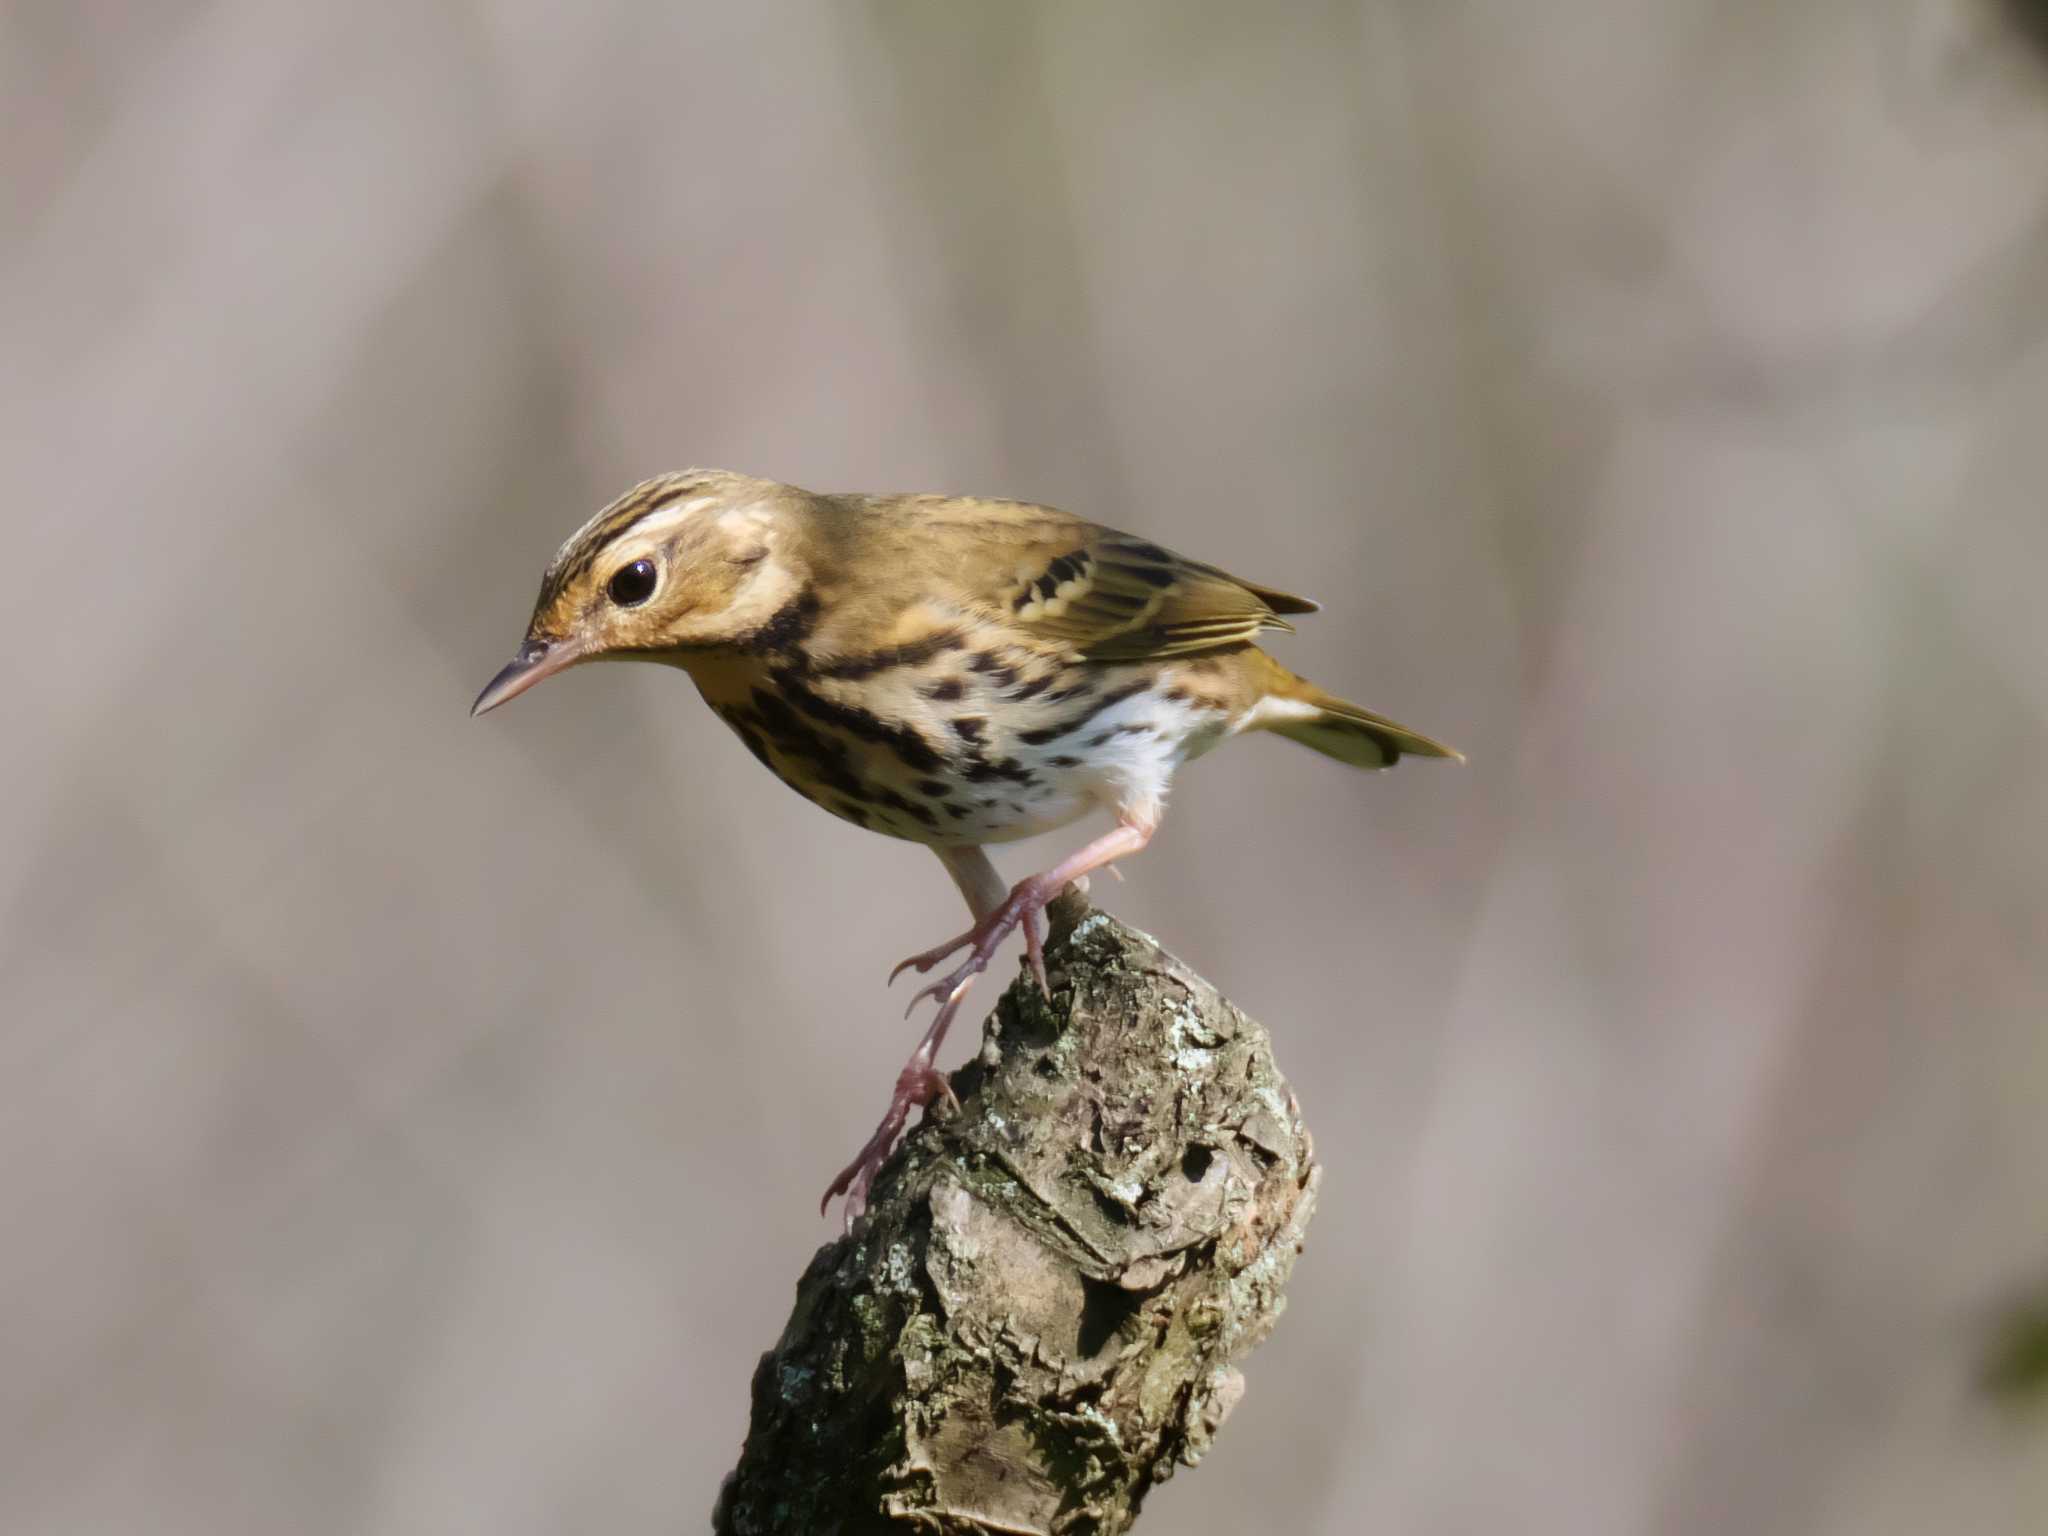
[(681, 565)]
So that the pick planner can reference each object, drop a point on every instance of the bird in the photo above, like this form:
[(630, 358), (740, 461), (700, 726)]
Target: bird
[(950, 670)]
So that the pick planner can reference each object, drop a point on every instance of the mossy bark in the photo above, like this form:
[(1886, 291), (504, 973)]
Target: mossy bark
[(1040, 1315)]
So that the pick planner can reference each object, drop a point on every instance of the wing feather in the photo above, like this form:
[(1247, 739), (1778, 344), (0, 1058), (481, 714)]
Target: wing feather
[(1116, 597), (1110, 596)]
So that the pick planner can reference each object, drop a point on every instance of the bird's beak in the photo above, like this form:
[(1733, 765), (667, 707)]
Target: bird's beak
[(537, 659)]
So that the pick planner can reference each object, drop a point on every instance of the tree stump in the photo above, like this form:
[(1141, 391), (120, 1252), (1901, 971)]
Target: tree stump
[(1040, 1315)]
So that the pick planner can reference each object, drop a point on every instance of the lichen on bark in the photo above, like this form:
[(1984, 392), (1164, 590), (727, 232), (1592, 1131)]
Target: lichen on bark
[(1041, 1313)]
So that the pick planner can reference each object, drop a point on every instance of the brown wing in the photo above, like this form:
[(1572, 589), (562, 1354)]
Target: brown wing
[(1116, 597)]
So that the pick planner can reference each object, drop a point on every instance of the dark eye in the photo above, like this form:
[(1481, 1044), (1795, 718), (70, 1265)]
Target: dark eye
[(631, 585)]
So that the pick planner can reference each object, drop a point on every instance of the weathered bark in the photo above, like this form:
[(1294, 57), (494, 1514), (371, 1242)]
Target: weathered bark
[(1040, 1314)]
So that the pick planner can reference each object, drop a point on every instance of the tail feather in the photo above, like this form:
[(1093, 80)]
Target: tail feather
[(1338, 728)]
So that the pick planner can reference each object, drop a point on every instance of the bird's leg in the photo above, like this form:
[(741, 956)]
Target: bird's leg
[(1026, 900), (920, 1081), (980, 886), (983, 890), (995, 913)]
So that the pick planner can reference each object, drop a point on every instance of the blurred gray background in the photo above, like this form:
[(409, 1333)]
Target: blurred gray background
[(413, 1125)]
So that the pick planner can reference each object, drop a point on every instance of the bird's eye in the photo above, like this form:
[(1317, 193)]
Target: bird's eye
[(631, 585)]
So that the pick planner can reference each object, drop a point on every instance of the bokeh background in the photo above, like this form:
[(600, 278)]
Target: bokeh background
[(411, 1124)]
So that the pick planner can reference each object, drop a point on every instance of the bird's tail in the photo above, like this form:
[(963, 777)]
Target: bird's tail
[(1296, 708)]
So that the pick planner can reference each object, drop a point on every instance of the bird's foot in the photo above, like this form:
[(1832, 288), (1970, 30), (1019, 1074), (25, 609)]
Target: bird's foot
[(1022, 908), (918, 1083)]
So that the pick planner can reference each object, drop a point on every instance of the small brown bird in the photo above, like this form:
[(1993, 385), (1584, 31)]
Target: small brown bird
[(944, 669)]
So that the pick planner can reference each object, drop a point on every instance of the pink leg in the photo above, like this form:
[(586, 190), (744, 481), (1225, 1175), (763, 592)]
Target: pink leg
[(983, 890), (920, 1081), (1026, 900), (980, 886)]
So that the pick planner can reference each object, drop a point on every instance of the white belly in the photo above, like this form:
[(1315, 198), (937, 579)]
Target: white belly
[(1123, 760)]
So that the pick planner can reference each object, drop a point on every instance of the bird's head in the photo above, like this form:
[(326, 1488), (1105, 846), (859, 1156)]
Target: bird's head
[(680, 566)]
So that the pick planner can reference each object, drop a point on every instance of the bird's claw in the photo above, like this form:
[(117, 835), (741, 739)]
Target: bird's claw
[(946, 991), (985, 937), (926, 959), (1034, 955), (918, 1083)]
